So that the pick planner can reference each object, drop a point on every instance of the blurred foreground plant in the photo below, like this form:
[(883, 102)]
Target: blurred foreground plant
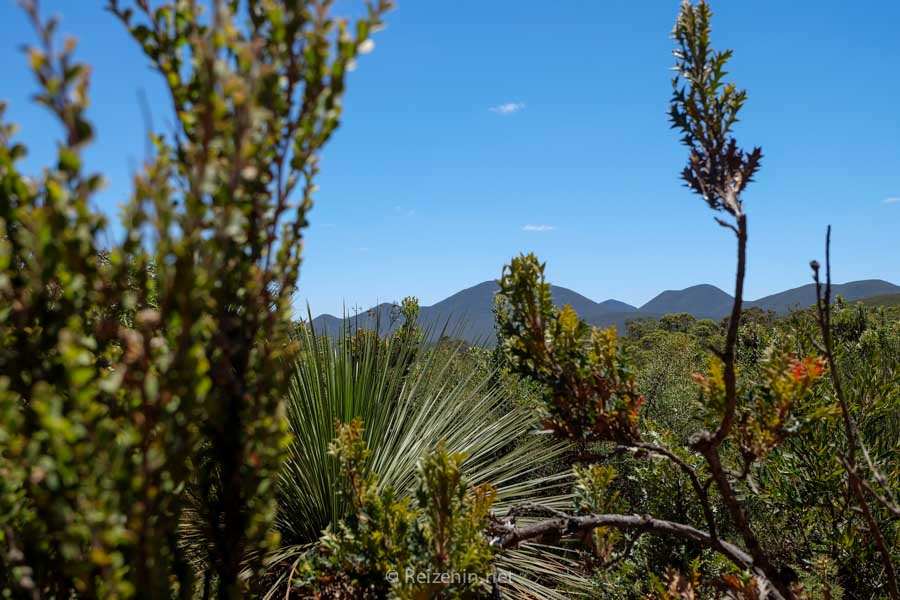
[(130, 373)]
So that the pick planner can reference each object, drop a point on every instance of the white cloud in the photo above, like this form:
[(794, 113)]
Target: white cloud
[(507, 108), (538, 228), (892, 200)]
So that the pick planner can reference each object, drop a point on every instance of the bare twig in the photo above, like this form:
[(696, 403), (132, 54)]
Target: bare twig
[(886, 502), (854, 481), (701, 490)]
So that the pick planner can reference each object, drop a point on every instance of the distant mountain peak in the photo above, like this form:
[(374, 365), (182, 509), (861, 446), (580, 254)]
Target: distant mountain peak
[(618, 306), (468, 314), (805, 295), (702, 300)]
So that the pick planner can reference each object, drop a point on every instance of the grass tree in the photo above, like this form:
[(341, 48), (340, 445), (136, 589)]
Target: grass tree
[(409, 399)]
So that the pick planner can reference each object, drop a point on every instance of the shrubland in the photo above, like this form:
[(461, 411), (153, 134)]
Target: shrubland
[(168, 430)]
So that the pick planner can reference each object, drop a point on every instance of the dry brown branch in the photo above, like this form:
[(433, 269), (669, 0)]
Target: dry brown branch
[(510, 536), (854, 480)]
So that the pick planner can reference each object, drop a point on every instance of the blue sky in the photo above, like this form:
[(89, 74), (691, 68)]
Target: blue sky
[(480, 129)]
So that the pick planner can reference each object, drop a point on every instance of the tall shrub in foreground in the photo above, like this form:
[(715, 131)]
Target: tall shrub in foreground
[(129, 373)]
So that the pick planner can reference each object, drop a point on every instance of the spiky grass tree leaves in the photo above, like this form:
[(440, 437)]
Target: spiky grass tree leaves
[(410, 397), (590, 390), (134, 373)]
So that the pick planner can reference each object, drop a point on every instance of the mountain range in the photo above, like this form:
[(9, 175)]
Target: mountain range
[(468, 314)]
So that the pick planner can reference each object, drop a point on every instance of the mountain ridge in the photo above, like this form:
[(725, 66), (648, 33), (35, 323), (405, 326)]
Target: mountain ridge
[(468, 313)]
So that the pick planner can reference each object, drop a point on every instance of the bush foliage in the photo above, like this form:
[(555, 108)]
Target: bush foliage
[(166, 430), (133, 373)]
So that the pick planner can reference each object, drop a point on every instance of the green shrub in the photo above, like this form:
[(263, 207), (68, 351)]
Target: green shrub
[(430, 545), (121, 367)]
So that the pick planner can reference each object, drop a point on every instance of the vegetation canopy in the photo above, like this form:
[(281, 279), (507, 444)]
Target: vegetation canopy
[(167, 429)]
